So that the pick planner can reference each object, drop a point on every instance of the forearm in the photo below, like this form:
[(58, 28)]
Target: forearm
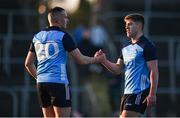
[(82, 59), (87, 60), (112, 67), (32, 70), (154, 82)]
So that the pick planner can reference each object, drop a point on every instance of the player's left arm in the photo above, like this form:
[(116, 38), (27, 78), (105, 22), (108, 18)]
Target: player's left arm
[(154, 76), (150, 55)]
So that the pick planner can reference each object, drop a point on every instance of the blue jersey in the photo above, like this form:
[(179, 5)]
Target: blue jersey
[(51, 46), (135, 57)]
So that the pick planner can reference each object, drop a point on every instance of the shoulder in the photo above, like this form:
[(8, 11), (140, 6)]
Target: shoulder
[(150, 52), (146, 42), (41, 33), (38, 35), (67, 34)]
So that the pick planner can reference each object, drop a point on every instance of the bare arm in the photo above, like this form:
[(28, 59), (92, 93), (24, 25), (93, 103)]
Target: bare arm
[(29, 64), (154, 76), (115, 68), (82, 59)]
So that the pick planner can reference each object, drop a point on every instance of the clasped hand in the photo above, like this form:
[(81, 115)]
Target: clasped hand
[(100, 56)]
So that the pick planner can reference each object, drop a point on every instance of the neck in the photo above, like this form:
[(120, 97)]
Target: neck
[(136, 38), (54, 24)]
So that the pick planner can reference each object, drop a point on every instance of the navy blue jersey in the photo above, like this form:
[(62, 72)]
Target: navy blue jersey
[(51, 46), (135, 57)]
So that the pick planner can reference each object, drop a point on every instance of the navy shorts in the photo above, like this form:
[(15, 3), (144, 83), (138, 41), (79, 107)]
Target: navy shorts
[(55, 94), (134, 102)]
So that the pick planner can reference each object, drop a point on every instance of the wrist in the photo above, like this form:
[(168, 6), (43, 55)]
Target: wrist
[(103, 61), (94, 60)]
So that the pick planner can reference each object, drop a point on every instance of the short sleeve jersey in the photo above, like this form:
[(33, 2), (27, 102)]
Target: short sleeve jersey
[(51, 46), (135, 57)]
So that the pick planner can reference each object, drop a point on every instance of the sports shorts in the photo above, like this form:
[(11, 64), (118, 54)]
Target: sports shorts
[(134, 102), (55, 94)]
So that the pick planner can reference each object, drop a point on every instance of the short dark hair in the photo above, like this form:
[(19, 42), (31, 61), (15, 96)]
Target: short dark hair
[(136, 17), (54, 13), (55, 10)]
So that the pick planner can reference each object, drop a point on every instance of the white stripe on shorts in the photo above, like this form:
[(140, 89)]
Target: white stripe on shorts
[(138, 99), (67, 92)]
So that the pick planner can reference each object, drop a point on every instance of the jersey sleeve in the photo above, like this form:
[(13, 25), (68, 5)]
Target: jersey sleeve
[(31, 48), (120, 54), (68, 43), (150, 52)]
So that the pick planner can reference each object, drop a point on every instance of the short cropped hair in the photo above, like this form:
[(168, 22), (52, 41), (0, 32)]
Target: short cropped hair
[(54, 12), (136, 17)]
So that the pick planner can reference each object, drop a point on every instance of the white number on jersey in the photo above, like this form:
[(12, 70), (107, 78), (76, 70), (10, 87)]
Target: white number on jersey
[(43, 50)]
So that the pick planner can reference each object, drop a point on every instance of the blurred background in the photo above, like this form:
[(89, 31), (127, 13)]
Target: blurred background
[(95, 91)]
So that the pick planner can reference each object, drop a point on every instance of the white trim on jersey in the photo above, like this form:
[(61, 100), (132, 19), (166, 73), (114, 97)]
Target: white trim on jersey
[(63, 72)]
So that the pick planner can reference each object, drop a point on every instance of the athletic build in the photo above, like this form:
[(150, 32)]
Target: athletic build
[(139, 61), (50, 47)]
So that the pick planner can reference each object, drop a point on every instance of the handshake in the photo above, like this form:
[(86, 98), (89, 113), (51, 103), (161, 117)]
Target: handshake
[(100, 56)]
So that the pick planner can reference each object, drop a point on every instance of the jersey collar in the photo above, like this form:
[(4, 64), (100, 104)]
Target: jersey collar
[(140, 38), (53, 28)]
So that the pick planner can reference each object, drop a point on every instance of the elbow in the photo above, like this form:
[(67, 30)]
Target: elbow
[(27, 65)]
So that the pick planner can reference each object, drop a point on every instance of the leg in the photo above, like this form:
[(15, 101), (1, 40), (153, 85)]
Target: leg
[(62, 111), (48, 112), (126, 113)]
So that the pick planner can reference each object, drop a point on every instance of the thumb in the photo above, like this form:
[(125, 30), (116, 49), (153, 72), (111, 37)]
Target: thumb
[(100, 51)]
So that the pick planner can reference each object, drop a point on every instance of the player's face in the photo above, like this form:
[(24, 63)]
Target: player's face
[(131, 28), (64, 19)]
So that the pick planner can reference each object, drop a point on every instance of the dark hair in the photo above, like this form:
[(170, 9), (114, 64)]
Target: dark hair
[(136, 17), (55, 10)]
